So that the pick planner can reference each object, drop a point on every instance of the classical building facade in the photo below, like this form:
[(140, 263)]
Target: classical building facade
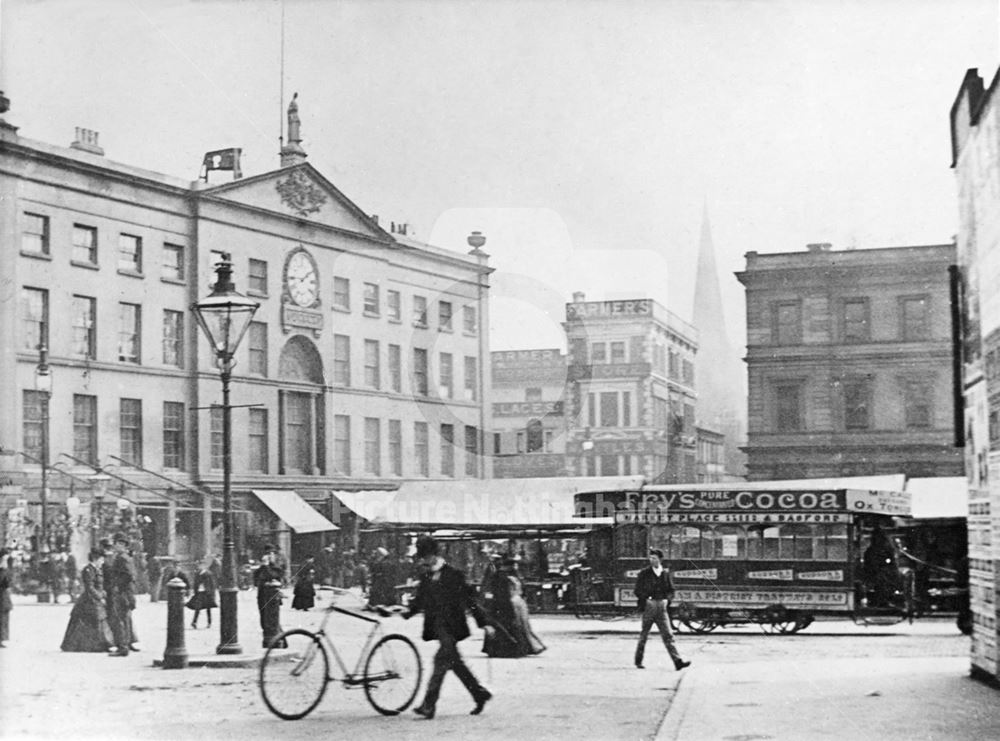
[(363, 365), (630, 390), (975, 123), (849, 356)]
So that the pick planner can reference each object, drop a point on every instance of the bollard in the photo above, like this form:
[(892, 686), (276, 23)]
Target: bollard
[(175, 655)]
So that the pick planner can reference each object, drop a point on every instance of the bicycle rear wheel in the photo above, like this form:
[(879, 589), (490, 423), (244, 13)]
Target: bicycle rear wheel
[(293, 679), (392, 674)]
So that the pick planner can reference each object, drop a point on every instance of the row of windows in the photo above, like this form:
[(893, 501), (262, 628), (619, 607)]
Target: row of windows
[(297, 430), (35, 240), (372, 306), (856, 402), (853, 320), (666, 361), (420, 369), (35, 318), (785, 542)]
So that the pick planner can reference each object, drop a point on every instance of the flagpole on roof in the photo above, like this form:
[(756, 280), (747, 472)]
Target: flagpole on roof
[(281, 84)]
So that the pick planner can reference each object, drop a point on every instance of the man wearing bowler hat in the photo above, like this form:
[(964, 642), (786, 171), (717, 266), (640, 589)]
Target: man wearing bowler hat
[(654, 588), (444, 597)]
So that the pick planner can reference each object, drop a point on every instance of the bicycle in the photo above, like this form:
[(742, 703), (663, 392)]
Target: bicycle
[(295, 670)]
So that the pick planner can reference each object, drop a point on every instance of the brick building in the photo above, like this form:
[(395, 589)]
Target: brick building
[(849, 356), (630, 390)]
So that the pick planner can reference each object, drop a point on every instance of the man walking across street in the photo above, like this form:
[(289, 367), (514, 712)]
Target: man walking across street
[(443, 596), (654, 588)]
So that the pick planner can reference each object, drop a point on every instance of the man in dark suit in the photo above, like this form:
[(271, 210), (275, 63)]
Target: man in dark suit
[(654, 588), (444, 596), (122, 598)]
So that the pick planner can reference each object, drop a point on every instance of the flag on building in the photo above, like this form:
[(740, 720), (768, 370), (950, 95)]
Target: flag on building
[(222, 159)]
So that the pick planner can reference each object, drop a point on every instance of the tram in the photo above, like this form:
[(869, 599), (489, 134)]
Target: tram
[(767, 553)]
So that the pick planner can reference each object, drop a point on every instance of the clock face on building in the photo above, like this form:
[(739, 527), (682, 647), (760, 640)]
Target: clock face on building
[(301, 279)]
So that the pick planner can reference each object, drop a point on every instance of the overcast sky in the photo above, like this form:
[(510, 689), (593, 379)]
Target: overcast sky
[(585, 139)]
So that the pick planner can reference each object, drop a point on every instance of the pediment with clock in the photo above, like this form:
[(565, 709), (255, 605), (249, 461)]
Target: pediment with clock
[(301, 307)]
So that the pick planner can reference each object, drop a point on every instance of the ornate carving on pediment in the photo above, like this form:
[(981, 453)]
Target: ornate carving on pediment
[(300, 193)]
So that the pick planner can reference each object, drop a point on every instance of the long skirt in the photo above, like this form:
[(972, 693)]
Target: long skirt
[(305, 597), (527, 641), (202, 601), (88, 628)]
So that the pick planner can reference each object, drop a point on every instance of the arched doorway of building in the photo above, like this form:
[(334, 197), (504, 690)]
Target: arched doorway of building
[(301, 420)]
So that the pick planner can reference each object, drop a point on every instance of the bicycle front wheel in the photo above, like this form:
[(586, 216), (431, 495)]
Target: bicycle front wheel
[(293, 679), (392, 674)]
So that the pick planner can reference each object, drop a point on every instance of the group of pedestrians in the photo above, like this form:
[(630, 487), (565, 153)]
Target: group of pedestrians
[(101, 619)]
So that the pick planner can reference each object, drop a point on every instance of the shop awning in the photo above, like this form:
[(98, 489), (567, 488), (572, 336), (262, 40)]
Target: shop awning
[(541, 503), (294, 511)]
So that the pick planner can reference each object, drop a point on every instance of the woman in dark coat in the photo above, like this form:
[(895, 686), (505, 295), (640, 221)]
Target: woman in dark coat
[(5, 603), (305, 591), (88, 628), (204, 593)]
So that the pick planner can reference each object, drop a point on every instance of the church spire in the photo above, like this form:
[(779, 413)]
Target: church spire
[(293, 153), (721, 376)]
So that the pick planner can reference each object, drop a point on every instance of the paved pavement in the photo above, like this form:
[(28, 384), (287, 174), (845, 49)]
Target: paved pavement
[(835, 681), (904, 682)]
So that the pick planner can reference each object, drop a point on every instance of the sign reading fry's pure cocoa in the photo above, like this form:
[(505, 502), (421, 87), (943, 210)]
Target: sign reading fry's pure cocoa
[(731, 506)]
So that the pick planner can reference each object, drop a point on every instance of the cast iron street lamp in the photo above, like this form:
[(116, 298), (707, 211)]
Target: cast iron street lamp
[(99, 482), (224, 316), (476, 240), (43, 385)]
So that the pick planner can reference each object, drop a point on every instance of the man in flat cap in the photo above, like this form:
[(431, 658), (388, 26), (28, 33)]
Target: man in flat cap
[(654, 588)]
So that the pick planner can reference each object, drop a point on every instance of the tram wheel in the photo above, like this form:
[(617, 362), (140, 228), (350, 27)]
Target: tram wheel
[(777, 619), (700, 626)]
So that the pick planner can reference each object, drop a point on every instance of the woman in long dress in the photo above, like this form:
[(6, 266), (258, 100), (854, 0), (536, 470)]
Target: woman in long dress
[(513, 636), (527, 641), (88, 628), (304, 592)]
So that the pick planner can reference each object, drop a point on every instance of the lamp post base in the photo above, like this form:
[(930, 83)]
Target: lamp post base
[(229, 640)]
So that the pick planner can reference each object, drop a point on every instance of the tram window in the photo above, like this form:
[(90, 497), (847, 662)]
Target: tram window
[(835, 541), (755, 543), (691, 542), (630, 541), (772, 543), (797, 542), (729, 542), (665, 538), (708, 542)]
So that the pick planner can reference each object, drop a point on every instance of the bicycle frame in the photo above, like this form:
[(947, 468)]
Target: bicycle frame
[(349, 678)]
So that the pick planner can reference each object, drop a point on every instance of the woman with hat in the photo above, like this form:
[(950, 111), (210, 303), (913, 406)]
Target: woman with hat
[(509, 614)]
